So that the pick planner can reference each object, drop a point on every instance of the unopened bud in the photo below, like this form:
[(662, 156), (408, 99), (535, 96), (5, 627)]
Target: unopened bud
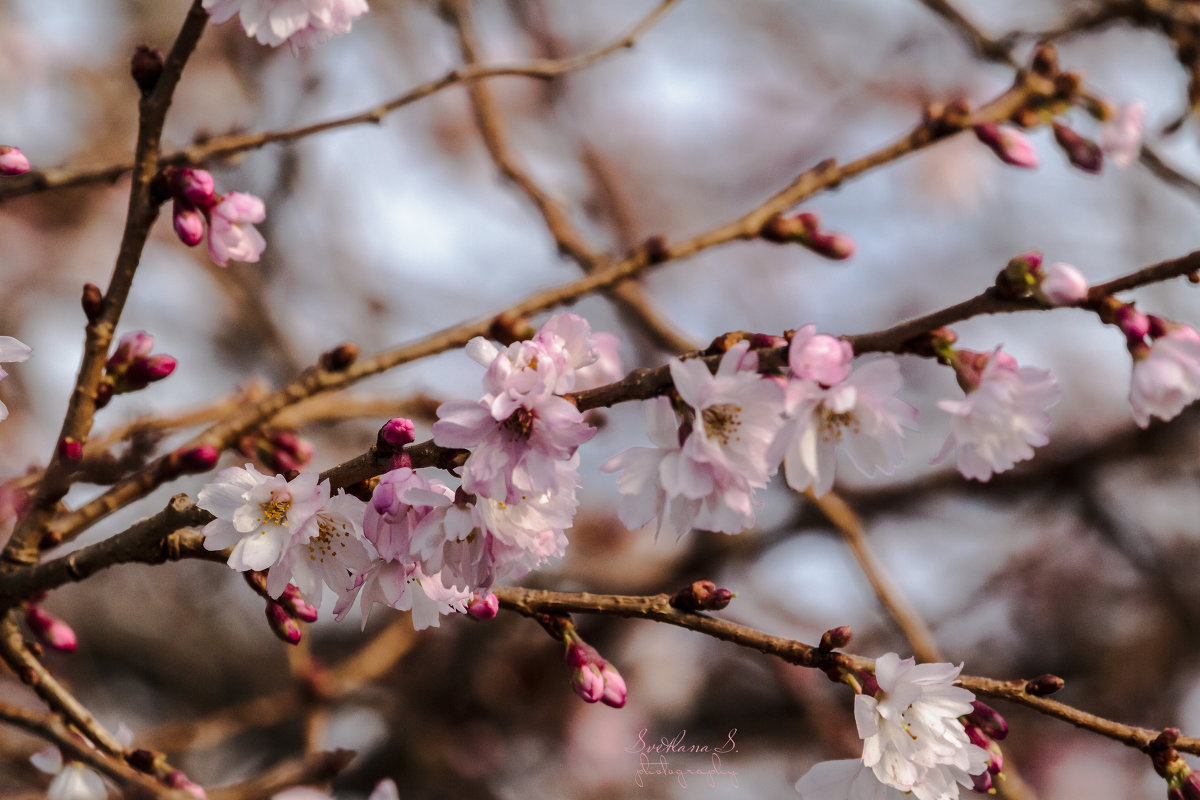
[(282, 624), (198, 459), (835, 639), (194, 186), (1009, 144), (92, 302), (145, 66), (656, 249), (1133, 323), (1044, 685), (189, 224), (593, 678), (1062, 285), (1082, 152), (294, 603), (397, 432), (483, 607), (70, 449), (988, 720), (178, 780), (131, 346), (49, 629), (12, 161), (1045, 60), (144, 760), (144, 371), (982, 782), (339, 358), (104, 392), (615, 693), (1190, 786)]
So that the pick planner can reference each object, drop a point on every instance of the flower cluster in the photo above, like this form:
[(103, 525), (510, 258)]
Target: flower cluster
[(914, 741), (303, 23), (728, 433), (230, 218), (420, 545)]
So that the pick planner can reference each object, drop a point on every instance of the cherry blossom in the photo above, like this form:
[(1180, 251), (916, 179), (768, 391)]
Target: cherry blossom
[(861, 414), (304, 23), (1166, 374), (231, 232), (11, 350), (326, 550), (257, 514), (912, 737), (520, 432), (1122, 136), (709, 478), (1002, 418)]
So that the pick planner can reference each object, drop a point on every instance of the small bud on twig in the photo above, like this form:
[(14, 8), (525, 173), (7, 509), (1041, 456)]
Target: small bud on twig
[(339, 358), (835, 639), (1044, 685), (145, 66), (92, 302)]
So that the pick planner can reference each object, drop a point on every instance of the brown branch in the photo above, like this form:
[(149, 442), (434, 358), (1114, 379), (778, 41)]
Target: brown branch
[(316, 380), (848, 524), (143, 211), (202, 153), (533, 602)]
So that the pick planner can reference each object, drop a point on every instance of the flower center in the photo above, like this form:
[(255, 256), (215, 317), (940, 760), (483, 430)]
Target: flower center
[(520, 423), (830, 424), (331, 537), (721, 422), (274, 512)]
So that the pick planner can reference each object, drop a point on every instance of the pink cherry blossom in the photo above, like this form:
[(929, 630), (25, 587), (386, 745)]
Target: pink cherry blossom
[(1001, 419), (305, 23), (231, 232), (1166, 374), (861, 414), (256, 514), (1122, 136), (709, 480), (12, 161), (11, 350)]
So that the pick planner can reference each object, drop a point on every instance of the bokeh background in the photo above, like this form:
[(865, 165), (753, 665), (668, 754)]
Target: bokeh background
[(1080, 563)]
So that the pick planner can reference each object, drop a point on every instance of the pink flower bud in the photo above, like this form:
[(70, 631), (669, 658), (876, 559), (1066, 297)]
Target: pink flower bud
[(819, 357), (615, 692), (189, 224), (198, 459), (12, 161), (1082, 152), (196, 186), (178, 780), (144, 371), (1063, 285), (982, 782), (295, 604), (593, 678), (282, 624), (1008, 143), (1133, 323), (835, 638), (483, 607), (70, 449), (131, 346), (837, 246), (988, 720), (1190, 786), (50, 629), (398, 432)]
